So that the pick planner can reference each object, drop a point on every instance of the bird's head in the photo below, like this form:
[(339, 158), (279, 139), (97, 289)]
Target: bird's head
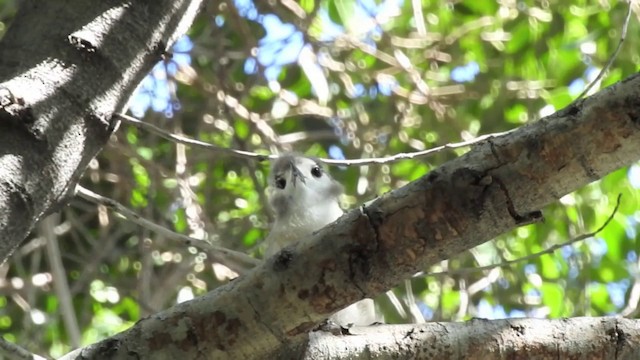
[(297, 181)]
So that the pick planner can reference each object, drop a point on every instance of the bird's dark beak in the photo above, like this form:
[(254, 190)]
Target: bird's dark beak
[(296, 173)]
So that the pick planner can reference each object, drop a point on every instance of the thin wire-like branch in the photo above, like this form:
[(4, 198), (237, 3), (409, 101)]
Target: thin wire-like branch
[(259, 157), (411, 155), (14, 351), (191, 142), (623, 36), (532, 256), (132, 216)]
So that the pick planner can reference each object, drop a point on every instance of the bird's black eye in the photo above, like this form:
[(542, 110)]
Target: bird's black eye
[(316, 171), (281, 183)]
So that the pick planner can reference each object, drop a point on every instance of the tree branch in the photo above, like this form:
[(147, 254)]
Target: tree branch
[(585, 338), (16, 352), (228, 254), (60, 283)]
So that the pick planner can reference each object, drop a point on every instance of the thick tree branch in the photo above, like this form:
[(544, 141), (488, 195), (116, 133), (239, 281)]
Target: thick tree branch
[(583, 338), (498, 185), (61, 79)]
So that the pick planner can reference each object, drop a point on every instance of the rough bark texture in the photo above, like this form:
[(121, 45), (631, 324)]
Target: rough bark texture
[(479, 339), (495, 187), (65, 68)]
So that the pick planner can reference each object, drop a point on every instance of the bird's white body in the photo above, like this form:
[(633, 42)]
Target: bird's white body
[(302, 221), (305, 199)]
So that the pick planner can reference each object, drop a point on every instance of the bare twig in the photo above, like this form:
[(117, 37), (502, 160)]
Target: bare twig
[(60, 283), (532, 256), (132, 216), (631, 309), (14, 351), (191, 142), (623, 36), (259, 157), (411, 155)]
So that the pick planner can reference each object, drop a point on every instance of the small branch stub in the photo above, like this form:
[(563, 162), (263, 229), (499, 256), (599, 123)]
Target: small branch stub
[(13, 110)]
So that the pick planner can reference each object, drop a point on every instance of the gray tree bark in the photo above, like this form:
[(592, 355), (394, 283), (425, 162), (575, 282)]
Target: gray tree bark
[(65, 68), (479, 339), (500, 184)]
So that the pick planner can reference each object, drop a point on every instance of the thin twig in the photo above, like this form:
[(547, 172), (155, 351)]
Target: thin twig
[(623, 36), (14, 351), (60, 283), (532, 256), (412, 155), (191, 142), (187, 240), (259, 157)]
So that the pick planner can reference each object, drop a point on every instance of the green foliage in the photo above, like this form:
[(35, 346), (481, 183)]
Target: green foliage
[(398, 84)]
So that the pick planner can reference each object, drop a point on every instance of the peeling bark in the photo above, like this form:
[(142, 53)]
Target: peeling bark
[(65, 68), (500, 184)]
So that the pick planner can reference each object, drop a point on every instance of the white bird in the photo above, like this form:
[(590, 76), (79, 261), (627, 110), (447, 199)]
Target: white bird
[(304, 199)]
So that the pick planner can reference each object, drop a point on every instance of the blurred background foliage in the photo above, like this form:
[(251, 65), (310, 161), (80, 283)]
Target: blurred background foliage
[(338, 79)]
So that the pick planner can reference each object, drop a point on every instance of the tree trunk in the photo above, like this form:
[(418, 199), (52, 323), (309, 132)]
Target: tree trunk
[(65, 68), (495, 187)]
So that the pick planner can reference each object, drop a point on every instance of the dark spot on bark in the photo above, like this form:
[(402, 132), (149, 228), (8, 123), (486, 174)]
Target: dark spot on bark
[(192, 336), (533, 145), (219, 318), (109, 348), (519, 329), (303, 294), (432, 176), (283, 260), (233, 330), (359, 265), (464, 177), (425, 231), (571, 110)]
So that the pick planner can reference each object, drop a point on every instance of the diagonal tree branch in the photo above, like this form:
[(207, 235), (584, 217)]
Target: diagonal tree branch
[(497, 186), (234, 259), (16, 352)]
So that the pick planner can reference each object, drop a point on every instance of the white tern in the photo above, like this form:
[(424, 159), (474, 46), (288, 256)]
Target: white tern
[(304, 199)]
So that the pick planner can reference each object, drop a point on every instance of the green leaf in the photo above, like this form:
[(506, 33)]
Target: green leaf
[(145, 153), (599, 297), (549, 267), (341, 11), (307, 5), (242, 129), (553, 298), (262, 92)]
